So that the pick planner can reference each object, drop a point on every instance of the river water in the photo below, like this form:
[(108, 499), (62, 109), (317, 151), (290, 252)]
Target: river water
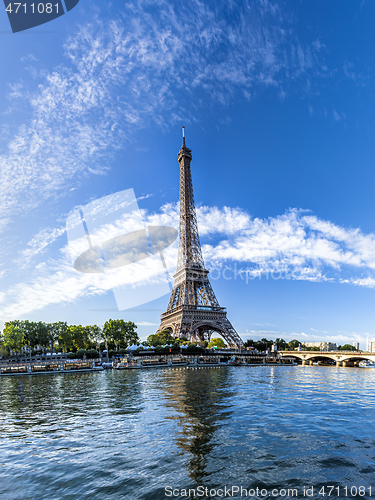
[(137, 434)]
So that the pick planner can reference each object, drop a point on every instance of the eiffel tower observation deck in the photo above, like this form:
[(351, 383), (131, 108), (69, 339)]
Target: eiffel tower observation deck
[(193, 310)]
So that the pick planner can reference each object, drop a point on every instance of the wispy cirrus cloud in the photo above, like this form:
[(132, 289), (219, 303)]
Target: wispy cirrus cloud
[(158, 61), (367, 282), (40, 242)]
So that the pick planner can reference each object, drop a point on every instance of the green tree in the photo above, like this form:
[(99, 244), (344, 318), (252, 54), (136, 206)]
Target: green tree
[(131, 336), (249, 343), (22, 325), (14, 337), (217, 342), (64, 336), (281, 344), (79, 335), (42, 333), (293, 344), (347, 347), (96, 334), (121, 332), (4, 351), (88, 336), (31, 333), (162, 338), (263, 344), (53, 335), (112, 331)]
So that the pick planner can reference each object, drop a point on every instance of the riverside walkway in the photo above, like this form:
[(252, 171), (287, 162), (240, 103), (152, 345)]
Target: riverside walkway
[(145, 361)]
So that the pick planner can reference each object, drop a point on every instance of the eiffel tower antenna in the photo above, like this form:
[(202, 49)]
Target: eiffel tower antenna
[(193, 310)]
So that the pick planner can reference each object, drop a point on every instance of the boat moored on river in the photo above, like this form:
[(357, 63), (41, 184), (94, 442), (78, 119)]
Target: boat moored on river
[(140, 362), (154, 362), (128, 364), (45, 368), (366, 364)]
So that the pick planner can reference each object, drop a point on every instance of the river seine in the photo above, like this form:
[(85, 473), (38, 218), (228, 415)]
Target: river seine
[(155, 433)]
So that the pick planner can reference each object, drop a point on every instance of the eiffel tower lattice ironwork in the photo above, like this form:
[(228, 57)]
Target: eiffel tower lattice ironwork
[(193, 310)]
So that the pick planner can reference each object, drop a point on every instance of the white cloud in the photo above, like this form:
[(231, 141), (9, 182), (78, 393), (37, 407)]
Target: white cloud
[(261, 332), (292, 246), (40, 242), (294, 243), (368, 282), (338, 116)]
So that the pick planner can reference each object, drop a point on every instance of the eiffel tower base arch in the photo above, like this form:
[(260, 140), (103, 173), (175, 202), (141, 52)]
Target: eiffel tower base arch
[(192, 324)]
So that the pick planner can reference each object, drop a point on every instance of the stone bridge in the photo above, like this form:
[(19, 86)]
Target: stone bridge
[(341, 358)]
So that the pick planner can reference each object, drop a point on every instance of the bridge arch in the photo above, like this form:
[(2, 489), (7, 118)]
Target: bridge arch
[(358, 358), (319, 357)]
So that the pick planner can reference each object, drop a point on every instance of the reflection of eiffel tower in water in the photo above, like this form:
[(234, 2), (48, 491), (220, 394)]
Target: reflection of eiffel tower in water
[(193, 310), (202, 416)]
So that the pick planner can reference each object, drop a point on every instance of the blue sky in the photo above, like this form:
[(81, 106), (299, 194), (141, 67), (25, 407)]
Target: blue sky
[(278, 104)]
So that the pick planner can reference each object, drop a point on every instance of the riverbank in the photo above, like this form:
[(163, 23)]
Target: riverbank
[(34, 368), (136, 362)]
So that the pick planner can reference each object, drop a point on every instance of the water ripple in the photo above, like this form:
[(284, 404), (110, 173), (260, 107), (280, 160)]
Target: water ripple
[(129, 434)]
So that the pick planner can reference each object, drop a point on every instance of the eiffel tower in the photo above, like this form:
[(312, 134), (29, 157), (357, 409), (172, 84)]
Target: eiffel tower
[(193, 310)]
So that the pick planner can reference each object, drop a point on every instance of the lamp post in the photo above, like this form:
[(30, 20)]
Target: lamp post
[(100, 356), (105, 338)]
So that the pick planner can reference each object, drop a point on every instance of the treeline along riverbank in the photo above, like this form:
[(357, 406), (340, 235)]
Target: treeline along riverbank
[(28, 337)]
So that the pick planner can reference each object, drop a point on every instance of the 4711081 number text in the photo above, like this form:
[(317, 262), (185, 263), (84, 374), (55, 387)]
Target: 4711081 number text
[(34, 8)]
